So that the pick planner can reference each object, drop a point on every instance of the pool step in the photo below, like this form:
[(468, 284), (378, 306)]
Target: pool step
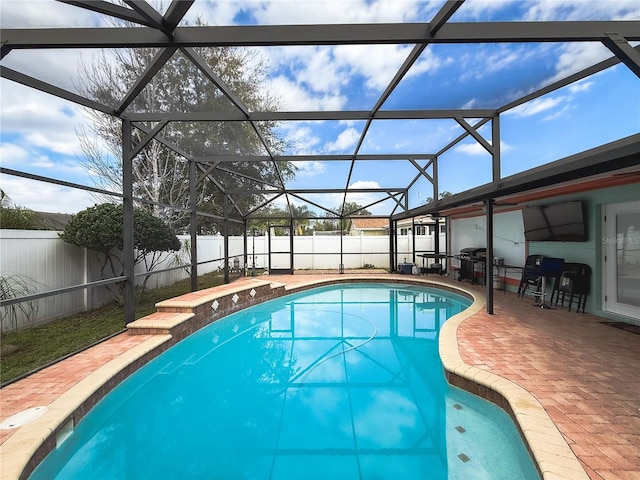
[(159, 323), (183, 315)]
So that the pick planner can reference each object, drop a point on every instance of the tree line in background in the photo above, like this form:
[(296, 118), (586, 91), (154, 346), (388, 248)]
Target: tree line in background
[(17, 217)]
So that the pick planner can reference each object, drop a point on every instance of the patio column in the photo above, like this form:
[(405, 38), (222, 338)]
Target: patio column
[(392, 245), (488, 270)]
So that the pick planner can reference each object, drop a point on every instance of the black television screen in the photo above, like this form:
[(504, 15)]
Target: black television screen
[(557, 222)]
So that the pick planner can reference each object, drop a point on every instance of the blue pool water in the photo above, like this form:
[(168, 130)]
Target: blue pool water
[(339, 382)]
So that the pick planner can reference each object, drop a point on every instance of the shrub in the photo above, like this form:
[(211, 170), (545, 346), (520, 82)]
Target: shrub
[(19, 218), (100, 229), (16, 286)]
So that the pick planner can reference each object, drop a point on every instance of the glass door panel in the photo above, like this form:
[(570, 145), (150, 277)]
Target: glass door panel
[(622, 259)]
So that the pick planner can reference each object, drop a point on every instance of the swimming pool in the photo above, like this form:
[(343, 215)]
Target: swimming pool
[(339, 382)]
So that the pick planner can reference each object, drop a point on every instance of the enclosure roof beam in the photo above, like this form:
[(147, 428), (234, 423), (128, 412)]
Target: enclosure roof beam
[(625, 52), (448, 9), (263, 204), (587, 72), (326, 209), (605, 158), (247, 177), (318, 34), (390, 195), (176, 12), (142, 8), (147, 138), (242, 116), (39, 178), (199, 62), (318, 191), (45, 87), (474, 133), (113, 10), (312, 158), (154, 66)]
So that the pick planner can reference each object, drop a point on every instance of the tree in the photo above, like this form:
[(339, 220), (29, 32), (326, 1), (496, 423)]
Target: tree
[(160, 174), (328, 223), (271, 215), (444, 194), (352, 209), (100, 229), (17, 217)]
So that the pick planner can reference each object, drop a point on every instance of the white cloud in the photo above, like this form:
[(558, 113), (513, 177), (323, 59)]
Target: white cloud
[(476, 149), (559, 113), (39, 119), (574, 57), (480, 8), (295, 97), (45, 197), (365, 184), (301, 137), (536, 106), (377, 64), (320, 72), (310, 169), (583, 10), (363, 198), (36, 13), (12, 155), (581, 86), (343, 11), (481, 61), (59, 67), (214, 12), (345, 141), (471, 149)]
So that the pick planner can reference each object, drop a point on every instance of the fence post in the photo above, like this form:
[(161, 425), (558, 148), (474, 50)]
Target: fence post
[(86, 293)]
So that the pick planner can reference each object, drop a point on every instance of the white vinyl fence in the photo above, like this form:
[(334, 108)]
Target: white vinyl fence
[(43, 261)]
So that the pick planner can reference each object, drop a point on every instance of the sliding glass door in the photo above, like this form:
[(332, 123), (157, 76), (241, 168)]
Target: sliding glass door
[(621, 292)]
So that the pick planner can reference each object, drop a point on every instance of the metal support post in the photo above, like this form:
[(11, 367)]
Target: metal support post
[(488, 270), (225, 236), (193, 225), (129, 291)]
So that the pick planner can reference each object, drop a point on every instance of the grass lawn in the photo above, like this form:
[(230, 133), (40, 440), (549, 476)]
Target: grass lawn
[(30, 348)]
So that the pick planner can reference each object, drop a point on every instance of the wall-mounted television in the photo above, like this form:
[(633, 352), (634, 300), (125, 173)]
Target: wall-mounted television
[(557, 222)]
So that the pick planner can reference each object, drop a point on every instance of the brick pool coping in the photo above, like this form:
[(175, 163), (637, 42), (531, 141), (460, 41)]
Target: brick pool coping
[(177, 318)]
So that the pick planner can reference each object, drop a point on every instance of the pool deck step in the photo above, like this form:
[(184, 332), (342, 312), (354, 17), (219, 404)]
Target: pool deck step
[(183, 315), (159, 323)]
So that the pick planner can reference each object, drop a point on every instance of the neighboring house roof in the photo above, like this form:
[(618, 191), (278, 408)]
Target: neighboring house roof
[(369, 223), (53, 221), (419, 220)]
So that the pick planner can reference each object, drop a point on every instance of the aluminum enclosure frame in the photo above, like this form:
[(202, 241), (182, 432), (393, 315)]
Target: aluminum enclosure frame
[(163, 32)]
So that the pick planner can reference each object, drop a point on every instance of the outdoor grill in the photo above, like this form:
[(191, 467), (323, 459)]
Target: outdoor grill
[(468, 258)]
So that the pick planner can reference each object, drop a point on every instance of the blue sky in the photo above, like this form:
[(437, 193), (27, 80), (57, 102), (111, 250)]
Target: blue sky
[(38, 132)]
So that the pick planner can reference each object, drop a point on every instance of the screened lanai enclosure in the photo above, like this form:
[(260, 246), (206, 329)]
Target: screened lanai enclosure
[(278, 115)]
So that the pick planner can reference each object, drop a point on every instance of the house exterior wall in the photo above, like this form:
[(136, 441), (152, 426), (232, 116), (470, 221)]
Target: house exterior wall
[(509, 237)]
